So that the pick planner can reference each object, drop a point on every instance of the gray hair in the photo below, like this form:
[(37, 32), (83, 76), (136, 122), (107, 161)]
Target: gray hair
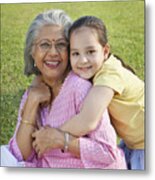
[(50, 17)]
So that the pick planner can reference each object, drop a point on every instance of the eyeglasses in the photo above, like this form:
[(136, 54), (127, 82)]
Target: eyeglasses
[(45, 46)]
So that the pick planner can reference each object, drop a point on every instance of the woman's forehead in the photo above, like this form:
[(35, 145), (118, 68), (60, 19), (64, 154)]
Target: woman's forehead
[(51, 32)]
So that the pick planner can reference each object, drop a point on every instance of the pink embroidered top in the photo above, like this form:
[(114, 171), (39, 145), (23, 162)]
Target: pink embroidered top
[(97, 150)]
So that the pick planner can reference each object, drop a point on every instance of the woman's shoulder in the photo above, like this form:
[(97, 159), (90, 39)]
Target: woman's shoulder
[(24, 94), (77, 81)]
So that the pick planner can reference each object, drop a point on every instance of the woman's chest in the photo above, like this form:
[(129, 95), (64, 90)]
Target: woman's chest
[(61, 110)]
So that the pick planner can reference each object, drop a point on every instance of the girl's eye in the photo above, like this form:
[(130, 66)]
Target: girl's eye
[(75, 54), (91, 52)]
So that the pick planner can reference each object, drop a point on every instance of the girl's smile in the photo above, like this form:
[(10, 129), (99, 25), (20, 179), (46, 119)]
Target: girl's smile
[(86, 53)]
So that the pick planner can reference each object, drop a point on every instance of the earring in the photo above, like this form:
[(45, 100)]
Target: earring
[(35, 64)]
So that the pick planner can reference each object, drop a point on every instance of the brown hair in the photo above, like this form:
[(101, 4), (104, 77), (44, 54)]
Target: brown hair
[(99, 26)]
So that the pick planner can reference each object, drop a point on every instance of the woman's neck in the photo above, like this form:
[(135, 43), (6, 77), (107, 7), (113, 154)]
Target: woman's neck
[(56, 83)]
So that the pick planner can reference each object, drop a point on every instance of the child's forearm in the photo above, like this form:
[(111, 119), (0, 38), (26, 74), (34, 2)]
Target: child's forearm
[(76, 126), (91, 113)]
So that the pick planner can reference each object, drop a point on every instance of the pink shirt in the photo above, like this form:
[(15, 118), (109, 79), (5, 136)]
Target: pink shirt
[(98, 149)]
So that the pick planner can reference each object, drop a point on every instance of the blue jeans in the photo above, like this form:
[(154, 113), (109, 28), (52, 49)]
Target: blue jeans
[(134, 157)]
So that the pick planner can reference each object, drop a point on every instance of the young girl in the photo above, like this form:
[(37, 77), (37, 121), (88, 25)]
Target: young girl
[(115, 86)]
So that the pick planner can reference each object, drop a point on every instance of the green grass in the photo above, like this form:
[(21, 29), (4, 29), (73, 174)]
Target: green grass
[(125, 24)]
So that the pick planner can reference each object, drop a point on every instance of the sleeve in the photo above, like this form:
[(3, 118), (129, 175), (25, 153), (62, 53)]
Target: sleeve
[(13, 146), (110, 76), (99, 148), (95, 154)]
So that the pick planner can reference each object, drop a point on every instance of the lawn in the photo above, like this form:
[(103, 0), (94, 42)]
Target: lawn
[(125, 24)]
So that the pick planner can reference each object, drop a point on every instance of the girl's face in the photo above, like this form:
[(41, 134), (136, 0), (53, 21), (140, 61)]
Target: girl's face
[(50, 52), (86, 53)]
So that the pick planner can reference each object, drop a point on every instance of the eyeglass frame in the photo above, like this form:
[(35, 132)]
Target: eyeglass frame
[(45, 50)]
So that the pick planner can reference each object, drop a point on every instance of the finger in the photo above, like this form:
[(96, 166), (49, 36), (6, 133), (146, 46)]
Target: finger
[(39, 125), (42, 151), (47, 126), (40, 154), (34, 134), (36, 148), (37, 132), (44, 104), (34, 144)]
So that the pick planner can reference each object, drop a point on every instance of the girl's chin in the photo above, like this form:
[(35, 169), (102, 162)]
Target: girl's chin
[(84, 75), (87, 77)]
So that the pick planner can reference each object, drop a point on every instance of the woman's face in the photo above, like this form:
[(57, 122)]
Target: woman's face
[(50, 52)]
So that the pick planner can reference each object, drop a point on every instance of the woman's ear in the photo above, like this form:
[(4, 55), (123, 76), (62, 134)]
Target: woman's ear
[(106, 51), (32, 52)]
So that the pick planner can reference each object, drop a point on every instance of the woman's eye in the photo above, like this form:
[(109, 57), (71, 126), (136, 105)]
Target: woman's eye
[(44, 45), (61, 45)]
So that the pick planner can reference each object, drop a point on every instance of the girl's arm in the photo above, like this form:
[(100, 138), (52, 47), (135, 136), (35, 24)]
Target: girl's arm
[(92, 110), (96, 150), (48, 138)]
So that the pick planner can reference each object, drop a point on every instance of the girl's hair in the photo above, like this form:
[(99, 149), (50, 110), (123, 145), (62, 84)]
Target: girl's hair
[(50, 17), (91, 22), (99, 26)]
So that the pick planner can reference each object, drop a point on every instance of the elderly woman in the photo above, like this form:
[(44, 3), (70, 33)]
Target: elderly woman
[(38, 140)]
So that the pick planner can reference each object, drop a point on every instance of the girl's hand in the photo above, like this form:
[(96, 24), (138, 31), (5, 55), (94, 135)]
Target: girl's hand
[(47, 138)]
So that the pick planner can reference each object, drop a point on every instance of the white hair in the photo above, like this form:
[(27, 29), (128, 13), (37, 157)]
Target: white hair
[(50, 17)]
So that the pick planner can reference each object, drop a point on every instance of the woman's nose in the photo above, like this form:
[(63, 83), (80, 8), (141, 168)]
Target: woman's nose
[(53, 50)]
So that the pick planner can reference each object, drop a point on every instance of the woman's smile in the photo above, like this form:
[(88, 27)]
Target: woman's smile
[(52, 64)]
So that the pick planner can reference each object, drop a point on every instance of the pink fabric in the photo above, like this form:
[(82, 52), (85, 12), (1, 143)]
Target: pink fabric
[(98, 149)]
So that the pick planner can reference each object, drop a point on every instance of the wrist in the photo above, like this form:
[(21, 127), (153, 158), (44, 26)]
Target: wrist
[(65, 140), (28, 123), (57, 138), (60, 139), (29, 112), (33, 100)]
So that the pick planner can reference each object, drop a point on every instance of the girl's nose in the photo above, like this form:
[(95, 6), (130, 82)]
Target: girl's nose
[(83, 59)]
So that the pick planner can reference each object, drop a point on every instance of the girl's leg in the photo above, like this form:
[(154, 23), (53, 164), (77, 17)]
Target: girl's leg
[(134, 158), (137, 159), (127, 153)]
